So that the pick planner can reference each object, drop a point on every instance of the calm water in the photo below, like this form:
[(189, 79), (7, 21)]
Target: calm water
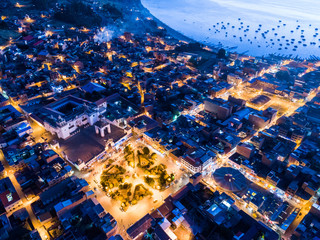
[(256, 27)]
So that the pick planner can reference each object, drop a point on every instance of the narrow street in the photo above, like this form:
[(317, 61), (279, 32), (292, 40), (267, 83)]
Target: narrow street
[(25, 202)]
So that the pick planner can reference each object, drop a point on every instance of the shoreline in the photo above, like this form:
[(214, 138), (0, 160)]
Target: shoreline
[(234, 48), (172, 32)]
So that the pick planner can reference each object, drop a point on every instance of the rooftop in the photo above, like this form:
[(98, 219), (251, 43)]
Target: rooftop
[(230, 179), (7, 198), (86, 144)]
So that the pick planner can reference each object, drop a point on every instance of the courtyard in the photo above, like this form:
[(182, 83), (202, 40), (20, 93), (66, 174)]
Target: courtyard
[(133, 186), (138, 173)]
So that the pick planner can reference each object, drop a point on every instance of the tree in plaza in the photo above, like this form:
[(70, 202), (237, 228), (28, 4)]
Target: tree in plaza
[(170, 178), (128, 149), (153, 156), (146, 151), (163, 179), (148, 180), (103, 184)]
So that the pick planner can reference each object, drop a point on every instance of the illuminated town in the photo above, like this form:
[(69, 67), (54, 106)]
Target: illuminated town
[(115, 126)]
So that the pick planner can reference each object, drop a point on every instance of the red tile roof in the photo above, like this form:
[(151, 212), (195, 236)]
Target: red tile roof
[(193, 161), (4, 198), (140, 226), (38, 43), (28, 38), (100, 101)]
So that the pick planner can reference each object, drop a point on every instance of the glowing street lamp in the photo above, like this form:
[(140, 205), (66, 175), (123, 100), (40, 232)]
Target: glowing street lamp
[(18, 5), (28, 19), (85, 30), (61, 58), (76, 68), (48, 33)]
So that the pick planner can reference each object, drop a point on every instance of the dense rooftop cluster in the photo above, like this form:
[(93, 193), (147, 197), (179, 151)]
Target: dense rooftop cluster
[(244, 129)]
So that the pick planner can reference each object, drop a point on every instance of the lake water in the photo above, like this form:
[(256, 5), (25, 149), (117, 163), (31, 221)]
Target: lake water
[(255, 27)]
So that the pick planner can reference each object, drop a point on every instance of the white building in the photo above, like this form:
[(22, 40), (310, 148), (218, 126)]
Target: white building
[(64, 117), (198, 161)]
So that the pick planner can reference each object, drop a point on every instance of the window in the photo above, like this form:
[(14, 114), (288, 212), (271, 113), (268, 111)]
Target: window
[(9, 197)]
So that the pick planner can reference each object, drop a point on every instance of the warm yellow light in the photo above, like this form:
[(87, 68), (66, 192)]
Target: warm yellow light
[(134, 64), (3, 17), (75, 67), (109, 45), (102, 70), (85, 30), (127, 85), (28, 19), (141, 92), (129, 74), (122, 56), (46, 64), (48, 33), (18, 5), (60, 57)]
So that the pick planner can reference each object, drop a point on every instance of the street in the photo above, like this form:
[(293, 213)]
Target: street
[(25, 202)]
